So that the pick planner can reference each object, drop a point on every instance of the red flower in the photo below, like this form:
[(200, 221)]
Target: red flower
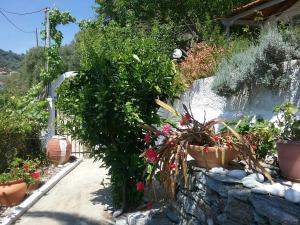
[(254, 146), (172, 166), (25, 167), (185, 120), (140, 186), (216, 138), (149, 205), (187, 117), (151, 155), (205, 149), (35, 175), (147, 137), (166, 129), (182, 123)]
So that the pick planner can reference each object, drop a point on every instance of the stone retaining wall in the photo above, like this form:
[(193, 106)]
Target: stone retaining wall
[(218, 199)]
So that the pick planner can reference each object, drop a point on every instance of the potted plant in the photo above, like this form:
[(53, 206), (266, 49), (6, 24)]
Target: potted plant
[(13, 186), (169, 157), (288, 141), (32, 167)]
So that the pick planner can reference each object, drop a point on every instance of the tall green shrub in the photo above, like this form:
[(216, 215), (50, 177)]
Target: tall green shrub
[(262, 64), (123, 70)]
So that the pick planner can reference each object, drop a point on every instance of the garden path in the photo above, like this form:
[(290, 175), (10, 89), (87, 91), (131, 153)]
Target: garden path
[(78, 199)]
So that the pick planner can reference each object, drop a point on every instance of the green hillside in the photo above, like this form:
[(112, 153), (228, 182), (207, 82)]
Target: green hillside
[(10, 60)]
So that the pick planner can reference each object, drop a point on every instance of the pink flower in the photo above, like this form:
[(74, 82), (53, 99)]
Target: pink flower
[(166, 129), (147, 137), (140, 186), (172, 166), (151, 155)]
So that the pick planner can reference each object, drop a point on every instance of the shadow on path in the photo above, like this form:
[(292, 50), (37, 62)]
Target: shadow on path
[(102, 196), (66, 218)]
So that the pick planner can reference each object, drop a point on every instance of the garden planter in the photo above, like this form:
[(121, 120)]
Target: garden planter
[(12, 193), (58, 150), (211, 156), (289, 159)]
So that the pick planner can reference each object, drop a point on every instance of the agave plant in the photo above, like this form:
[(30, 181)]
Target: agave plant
[(168, 159)]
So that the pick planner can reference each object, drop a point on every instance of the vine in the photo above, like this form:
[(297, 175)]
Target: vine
[(55, 62)]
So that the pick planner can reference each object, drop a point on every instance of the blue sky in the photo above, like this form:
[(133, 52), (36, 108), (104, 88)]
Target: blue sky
[(16, 41)]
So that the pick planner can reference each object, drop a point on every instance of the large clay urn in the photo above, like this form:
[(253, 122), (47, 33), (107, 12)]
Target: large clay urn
[(289, 159), (58, 150), (12, 193), (212, 156)]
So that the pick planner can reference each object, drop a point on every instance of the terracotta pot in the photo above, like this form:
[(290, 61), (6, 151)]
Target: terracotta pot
[(12, 193), (58, 150), (213, 158), (289, 159)]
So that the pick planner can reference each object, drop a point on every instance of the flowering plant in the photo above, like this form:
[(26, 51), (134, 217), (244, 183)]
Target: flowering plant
[(169, 157), (26, 170)]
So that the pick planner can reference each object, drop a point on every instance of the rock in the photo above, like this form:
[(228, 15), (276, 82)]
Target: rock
[(278, 189), (292, 195), (296, 187), (138, 218), (256, 176), (210, 221), (218, 170), (239, 174), (260, 190), (251, 183), (121, 222), (172, 216), (106, 207), (117, 213)]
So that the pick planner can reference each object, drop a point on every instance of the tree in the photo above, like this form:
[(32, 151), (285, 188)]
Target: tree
[(123, 71), (188, 16)]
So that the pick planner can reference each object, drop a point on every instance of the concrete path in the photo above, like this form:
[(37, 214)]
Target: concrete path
[(78, 199)]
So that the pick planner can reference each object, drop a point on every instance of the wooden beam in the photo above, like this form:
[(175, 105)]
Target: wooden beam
[(231, 20)]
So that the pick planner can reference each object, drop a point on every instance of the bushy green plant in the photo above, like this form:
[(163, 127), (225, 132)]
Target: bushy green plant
[(16, 174), (19, 137), (122, 71), (262, 64), (288, 123), (258, 131)]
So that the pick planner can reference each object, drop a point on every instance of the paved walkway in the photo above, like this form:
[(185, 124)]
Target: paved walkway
[(78, 199)]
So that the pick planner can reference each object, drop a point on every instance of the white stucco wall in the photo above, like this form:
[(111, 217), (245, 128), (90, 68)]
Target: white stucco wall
[(203, 101)]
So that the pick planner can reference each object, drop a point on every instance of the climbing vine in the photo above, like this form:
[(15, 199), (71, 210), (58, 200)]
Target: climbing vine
[(55, 63)]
